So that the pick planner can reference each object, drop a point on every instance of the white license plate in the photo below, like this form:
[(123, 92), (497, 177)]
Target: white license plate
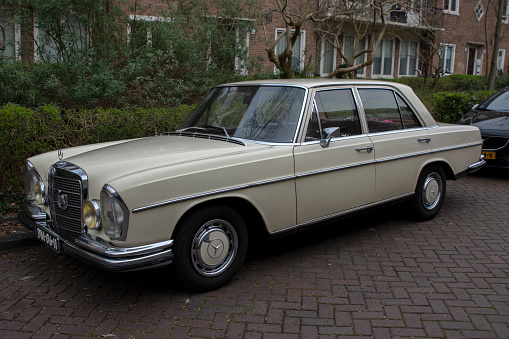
[(48, 239)]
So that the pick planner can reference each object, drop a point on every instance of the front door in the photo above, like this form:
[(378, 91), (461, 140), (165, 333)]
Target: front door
[(339, 176), (471, 60)]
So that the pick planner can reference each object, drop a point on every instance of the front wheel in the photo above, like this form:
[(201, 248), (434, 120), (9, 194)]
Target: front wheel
[(429, 193), (209, 246)]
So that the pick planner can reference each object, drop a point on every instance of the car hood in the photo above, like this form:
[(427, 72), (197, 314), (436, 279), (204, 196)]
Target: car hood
[(491, 123), (112, 161)]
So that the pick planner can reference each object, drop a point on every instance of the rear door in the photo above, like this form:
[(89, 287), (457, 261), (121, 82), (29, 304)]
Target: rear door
[(401, 143)]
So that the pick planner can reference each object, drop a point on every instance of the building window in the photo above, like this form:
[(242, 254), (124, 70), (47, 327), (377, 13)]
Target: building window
[(58, 39), (506, 11), (348, 45), (479, 11), (384, 59), (501, 60), (147, 31), (408, 52), (451, 6), (9, 46), (328, 60), (46, 50), (447, 57), (297, 48)]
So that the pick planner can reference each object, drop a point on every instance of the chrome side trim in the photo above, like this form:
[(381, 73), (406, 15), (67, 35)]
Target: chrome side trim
[(241, 187), (298, 176), (335, 215), (206, 194), (404, 157), (457, 147)]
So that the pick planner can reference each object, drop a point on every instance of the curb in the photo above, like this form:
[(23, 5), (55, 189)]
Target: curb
[(9, 218), (18, 240)]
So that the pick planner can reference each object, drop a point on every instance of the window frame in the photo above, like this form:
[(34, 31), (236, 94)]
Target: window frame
[(17, 37), (505, 14), (315, 114), (501, 69), (302, 37), (444, 61), (381, 75), (324, 53), (395, 95), (447, 9), (408, 55), (364, 56), (479, 10), (143, 18)]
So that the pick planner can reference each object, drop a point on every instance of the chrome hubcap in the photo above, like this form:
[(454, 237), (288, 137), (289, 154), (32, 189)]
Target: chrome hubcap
[(432, 190), (214, 247)]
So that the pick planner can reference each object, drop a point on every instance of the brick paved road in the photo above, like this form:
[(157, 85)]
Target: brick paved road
[(378, 275)]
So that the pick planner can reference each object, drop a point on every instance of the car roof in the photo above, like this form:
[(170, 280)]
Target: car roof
[(315, 82)]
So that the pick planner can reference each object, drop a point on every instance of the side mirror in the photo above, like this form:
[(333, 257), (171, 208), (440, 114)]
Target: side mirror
[(475, 106), (329, 131)]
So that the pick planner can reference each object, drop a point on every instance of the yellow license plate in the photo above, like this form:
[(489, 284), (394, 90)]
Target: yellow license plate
[(489, 155)]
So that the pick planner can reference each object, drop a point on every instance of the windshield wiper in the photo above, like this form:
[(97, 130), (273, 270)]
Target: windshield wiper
[(216, 128), (208, 128)]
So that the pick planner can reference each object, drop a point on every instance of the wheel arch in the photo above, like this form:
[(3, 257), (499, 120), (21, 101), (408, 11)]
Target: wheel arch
[(254, 221), (448, 171)]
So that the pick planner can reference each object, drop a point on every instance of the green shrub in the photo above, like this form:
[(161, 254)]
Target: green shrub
[(25, 132), (501, 81), (450, 106)]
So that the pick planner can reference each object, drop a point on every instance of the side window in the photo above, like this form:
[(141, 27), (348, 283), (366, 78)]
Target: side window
[(334, 109), (409, 118), (381, 109)]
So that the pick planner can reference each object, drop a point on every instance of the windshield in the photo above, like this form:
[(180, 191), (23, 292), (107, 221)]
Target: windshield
[(260, 113), (498, 102)]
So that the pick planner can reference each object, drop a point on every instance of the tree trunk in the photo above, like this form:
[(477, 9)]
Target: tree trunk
[(496, 45)]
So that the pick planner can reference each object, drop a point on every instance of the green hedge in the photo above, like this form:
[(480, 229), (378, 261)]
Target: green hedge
[(450, 106), (25, 132)]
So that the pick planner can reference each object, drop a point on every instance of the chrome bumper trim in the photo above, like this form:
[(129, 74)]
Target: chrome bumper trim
[(98, 252), (477, 165)]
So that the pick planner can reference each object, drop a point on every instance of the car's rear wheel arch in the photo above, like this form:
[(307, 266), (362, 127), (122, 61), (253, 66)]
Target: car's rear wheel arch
[(448, 171)]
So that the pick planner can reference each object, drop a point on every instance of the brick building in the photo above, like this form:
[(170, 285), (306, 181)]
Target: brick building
[(462, 32)]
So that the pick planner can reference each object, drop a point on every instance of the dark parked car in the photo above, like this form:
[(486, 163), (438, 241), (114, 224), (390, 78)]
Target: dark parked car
[(492, 118)]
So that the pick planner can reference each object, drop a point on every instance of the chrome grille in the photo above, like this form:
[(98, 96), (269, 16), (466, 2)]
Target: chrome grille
[(494, 143), (68, 190)]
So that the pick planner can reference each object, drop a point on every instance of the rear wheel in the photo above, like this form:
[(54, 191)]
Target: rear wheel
[(209, 246), (429, 193)]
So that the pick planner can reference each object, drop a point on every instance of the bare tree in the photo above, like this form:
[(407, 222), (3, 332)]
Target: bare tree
[(366, 18), (496, 44), (295, 15)]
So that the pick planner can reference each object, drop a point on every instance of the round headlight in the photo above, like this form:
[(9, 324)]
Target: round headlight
[(38, 193), (92, 215)]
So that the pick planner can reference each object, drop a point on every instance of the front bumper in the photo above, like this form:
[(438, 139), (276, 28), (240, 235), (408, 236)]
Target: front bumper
[(97, 251)]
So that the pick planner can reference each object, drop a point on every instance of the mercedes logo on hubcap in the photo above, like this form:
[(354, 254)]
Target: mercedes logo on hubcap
[(215, 248)]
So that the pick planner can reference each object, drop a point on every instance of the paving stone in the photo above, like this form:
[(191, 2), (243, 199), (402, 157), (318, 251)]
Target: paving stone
[(376, 275)]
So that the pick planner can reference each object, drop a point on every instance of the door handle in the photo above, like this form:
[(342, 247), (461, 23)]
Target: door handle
[(426, 140), (368, 149)]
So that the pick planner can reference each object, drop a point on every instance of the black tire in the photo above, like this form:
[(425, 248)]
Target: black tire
[(429, 193), (209, 246)]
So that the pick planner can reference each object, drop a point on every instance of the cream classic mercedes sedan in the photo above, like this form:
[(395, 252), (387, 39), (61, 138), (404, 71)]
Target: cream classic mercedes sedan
[(259, 157)]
